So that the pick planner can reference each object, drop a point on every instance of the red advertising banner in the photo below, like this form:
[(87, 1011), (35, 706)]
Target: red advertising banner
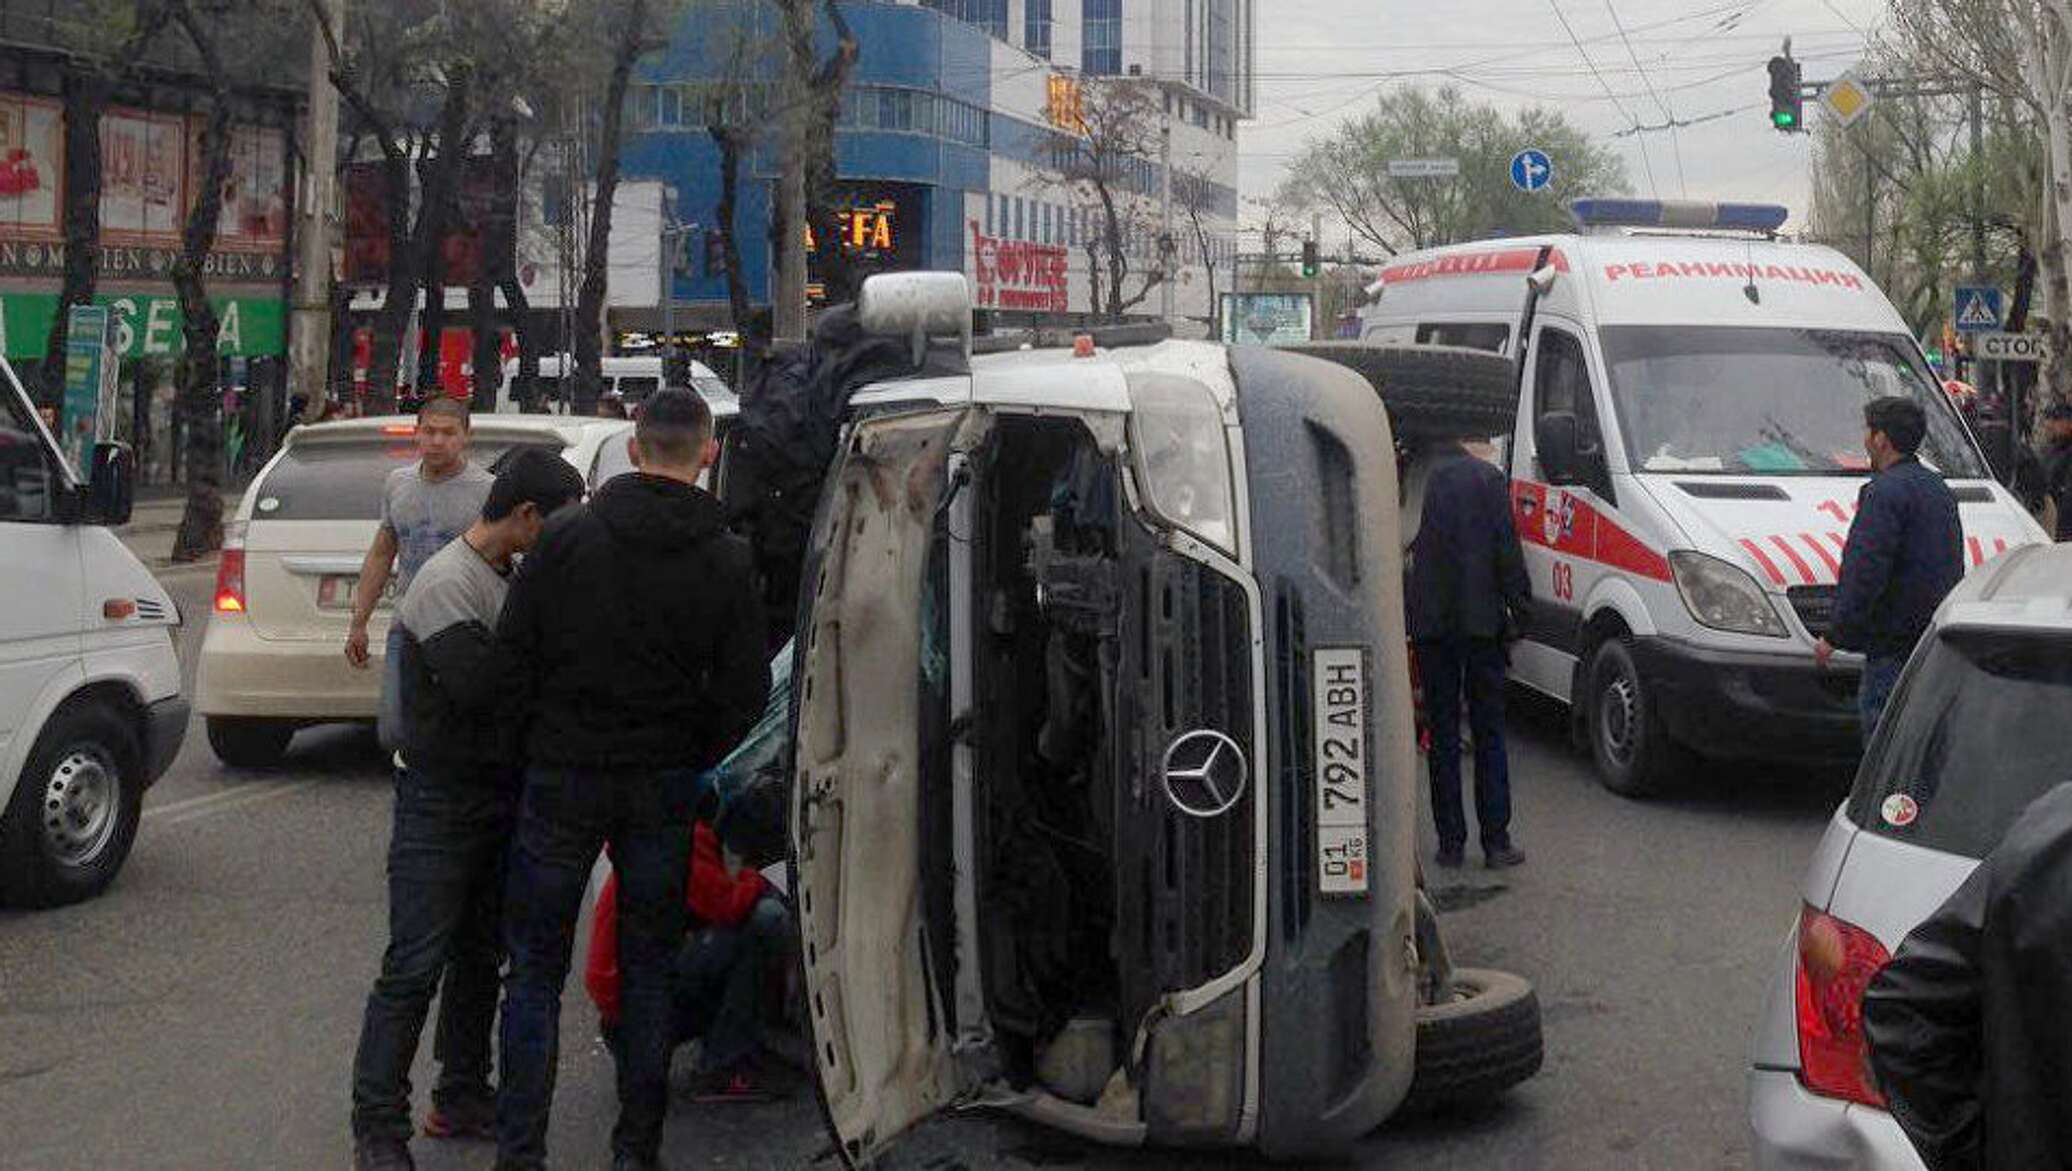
[(1015, 274), (486, 191)]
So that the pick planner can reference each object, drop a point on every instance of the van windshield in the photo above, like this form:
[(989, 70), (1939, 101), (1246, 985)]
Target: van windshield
[(1733, 399), (1961, 755)]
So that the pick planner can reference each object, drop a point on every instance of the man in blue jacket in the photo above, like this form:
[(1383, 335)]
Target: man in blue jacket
[(1467, 578), (1905, 554)]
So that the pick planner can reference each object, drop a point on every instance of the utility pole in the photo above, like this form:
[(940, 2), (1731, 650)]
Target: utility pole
[(1316, 280), (1166, 252), (309, 349), (788, 298), (665, 287)]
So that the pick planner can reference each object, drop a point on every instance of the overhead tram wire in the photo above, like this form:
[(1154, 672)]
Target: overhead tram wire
[(1618, 105), (1675, 141)]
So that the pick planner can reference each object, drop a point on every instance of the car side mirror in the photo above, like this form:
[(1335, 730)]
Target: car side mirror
[(112, 484), (1556, 441)]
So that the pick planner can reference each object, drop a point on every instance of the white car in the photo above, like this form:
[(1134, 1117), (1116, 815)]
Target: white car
[(273, 660), (631, 378), (90, 705), (1967, 744)]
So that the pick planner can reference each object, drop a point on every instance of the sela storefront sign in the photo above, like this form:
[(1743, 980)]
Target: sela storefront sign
[(1018, 275), (148, 324)]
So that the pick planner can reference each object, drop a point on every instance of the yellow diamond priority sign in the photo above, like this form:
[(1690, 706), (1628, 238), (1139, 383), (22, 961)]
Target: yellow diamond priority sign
[(1847, 99)]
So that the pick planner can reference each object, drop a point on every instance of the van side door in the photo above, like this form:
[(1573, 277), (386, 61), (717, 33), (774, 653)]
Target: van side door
[(40, 573), (1557, 515)]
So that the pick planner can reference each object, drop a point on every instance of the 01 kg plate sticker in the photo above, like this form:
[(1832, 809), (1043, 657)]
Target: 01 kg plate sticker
[(1339, 694)]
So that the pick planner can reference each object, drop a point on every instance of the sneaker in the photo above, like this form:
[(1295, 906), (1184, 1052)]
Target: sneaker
[(382, 1154), (1504, 857), (1450, 857), (462, 1118)]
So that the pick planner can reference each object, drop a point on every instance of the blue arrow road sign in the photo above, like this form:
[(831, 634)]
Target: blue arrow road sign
[(1531, 169), (1978, 309)]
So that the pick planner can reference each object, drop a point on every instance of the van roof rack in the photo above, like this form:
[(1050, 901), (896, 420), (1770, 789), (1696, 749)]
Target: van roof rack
[(1107, 337), (1679, 214)]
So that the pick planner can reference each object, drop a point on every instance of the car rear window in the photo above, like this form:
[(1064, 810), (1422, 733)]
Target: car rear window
[(1967, 745), (343, 481)]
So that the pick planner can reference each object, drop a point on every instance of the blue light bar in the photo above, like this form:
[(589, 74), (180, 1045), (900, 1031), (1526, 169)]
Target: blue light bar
[(1678, 213)]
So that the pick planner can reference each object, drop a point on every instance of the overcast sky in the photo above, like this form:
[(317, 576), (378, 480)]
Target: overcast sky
[(1322, 62)]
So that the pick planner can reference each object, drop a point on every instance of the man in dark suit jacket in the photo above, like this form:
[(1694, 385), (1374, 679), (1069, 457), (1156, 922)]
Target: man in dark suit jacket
[(1467, 577)]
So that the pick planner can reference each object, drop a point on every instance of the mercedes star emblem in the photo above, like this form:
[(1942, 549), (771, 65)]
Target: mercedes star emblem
[(1205, 773)]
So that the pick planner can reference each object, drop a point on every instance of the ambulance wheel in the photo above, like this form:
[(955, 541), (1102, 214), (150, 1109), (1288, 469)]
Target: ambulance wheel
[(1635, 754), (1433, 392), (1476, 1042)]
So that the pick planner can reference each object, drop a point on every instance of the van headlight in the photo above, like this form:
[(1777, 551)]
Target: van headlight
[(1183, 457), (1723, 596)]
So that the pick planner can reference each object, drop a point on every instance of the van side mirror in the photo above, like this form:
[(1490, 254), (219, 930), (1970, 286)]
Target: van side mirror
[(111, 486), (1555, 441)]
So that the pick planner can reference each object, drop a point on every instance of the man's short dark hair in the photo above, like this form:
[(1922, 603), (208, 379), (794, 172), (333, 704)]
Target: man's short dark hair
[(452, 408), (674, 427), (535, 477), (1900, 418)]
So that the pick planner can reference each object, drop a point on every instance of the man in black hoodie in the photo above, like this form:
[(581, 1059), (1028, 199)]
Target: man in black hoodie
[(636, 637)]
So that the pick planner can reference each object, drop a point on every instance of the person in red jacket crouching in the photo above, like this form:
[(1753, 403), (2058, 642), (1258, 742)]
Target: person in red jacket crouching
[(740, 930)]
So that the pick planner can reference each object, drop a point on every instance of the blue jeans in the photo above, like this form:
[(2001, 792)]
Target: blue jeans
[(1449, 668), (1880, 676), (446, 879), (564, 818), (721, 976), (388, 724)]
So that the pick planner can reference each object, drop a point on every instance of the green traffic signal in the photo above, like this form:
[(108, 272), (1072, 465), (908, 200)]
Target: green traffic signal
[(1785, 119)]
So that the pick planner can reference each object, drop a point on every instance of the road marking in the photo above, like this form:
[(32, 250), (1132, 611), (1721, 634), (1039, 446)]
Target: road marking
[(207, 805)]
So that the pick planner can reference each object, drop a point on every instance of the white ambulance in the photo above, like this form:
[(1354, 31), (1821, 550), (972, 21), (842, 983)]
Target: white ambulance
[(1685, 464)]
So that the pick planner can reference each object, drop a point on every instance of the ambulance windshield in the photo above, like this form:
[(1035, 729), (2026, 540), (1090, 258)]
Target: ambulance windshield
[(1747, 401)]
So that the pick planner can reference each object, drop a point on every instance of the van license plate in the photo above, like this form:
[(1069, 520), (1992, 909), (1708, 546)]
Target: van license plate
[(336, 591), (1339, 679)]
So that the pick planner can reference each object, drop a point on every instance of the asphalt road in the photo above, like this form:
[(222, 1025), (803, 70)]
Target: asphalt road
[(203, 1013)]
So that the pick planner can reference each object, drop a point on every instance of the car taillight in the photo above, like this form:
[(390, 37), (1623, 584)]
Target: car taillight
[(230, 571), (1836, 962)]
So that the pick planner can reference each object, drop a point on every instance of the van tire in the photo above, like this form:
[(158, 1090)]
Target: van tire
[(1433, 392), (242, 742), (1635, 754), (1476, 1045), (73, 818)]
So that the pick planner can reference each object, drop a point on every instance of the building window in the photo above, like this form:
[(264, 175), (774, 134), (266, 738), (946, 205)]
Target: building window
[(1036, 28), (990, 15), (1021, 224), (672, 106), (1101, 26)]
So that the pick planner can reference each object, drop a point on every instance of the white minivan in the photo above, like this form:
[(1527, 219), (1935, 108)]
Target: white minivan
[(632, 378), (1685, 464), (90, 705)]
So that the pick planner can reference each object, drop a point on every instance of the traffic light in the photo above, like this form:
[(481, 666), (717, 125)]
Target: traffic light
[(1787, 109), (1309, 258)]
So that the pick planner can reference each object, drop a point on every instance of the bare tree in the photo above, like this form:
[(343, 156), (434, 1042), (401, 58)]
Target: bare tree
[(201, 522), (1194, 191), (1108, 163), (632, 40)]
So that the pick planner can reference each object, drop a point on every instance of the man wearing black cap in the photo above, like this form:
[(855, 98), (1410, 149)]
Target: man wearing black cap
[(625, 703), (2057, 470)]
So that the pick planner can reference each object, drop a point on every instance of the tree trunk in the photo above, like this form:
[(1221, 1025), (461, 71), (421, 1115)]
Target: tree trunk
[(200, 400), (86, 95), (488, 356), (502, 256), (732, 141), (589, 325), (2056, 250), (431, 320), (824, 84), (385, 363)]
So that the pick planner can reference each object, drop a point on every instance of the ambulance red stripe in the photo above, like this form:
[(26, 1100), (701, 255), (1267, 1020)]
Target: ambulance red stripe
[(1792, 555), (1834, 568), (1978, 551), (1999, 546), (1763, 559)]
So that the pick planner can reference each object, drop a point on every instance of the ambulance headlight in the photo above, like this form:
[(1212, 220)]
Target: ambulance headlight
[(1183, 456), (1723, 596)]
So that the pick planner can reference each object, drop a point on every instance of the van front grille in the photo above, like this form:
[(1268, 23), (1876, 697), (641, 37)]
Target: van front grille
[(1815, 606)]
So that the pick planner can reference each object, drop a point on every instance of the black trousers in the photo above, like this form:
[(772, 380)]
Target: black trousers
[(1474, 667), (446, 881)]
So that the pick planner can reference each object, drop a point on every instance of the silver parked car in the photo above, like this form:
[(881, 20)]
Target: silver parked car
[(1971, 738)]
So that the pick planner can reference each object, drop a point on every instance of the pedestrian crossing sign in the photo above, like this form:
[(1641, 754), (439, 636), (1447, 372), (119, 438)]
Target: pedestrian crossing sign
[(1978, 308)]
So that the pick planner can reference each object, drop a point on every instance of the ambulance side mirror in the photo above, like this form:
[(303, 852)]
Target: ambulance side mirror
[(1555, 439)]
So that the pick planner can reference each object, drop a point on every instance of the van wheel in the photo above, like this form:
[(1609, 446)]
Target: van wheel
[(1433, 392), (1478, 1042), (1636, 755), (247, 743), (73, 818)]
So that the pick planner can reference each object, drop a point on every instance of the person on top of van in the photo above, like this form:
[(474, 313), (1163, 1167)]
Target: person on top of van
[(1467, 579), (1905, 554)]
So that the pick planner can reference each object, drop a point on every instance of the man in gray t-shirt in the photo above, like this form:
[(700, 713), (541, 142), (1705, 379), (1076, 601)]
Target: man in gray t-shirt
[(455, 801), (423, 508)]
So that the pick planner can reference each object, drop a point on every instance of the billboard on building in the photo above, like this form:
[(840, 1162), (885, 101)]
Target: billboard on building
[(882, 226), (1266, 319), (486, 190), (255, 193), (32, 176), (143, 177), (1019, 276)]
